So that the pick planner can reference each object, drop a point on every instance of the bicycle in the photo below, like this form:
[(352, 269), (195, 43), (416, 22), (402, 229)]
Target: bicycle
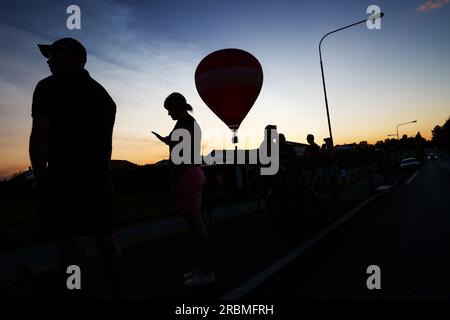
[(293, 198), (325, 184)]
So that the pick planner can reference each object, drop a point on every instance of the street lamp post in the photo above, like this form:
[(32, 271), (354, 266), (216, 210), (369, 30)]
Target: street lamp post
[(377, 16), (401, 124)]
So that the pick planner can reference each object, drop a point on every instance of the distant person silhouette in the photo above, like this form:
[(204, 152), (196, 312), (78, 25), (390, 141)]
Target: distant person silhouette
[(328, 165), (312, 150), (287, 162), (70, 151), (266, 182), (187, 181), (270, 137), (328, 151)]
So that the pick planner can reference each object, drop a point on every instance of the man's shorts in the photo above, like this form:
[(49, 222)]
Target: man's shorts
[(328, 170), (68, 210)]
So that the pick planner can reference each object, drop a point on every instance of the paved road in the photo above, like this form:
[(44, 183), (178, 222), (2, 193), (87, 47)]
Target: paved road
[(406, 233)]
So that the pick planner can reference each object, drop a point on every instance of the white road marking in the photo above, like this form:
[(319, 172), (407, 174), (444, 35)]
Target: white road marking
[(412, 177), (259, 278)]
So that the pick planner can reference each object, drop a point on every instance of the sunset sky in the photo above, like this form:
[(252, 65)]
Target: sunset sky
[(141, 51)]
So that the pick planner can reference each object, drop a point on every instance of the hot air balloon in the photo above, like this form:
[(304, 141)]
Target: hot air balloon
[(229, 81)]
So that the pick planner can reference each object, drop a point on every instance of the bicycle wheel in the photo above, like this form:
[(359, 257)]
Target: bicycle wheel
[(311, 205), (281, 207), (329, 198)]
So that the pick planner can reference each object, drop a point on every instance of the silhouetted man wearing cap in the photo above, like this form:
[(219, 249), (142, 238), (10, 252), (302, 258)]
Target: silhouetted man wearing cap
[(312, 150), (70, 151)]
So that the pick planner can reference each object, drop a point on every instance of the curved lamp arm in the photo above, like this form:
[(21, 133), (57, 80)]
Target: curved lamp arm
[(376, 16)]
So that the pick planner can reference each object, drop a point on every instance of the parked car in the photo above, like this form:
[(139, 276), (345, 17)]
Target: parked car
[(409, 164), (432, 156)]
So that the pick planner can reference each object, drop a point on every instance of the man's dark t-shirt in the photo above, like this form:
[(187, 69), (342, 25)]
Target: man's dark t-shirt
[(313, 149), (312, 155), (81, 115)]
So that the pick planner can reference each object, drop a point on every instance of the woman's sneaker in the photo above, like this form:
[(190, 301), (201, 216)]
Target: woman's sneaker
[(200, 279), (189, 275)]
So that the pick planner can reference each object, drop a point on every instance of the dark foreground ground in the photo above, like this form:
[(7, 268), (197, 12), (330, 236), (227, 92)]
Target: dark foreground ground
[(404, 231)]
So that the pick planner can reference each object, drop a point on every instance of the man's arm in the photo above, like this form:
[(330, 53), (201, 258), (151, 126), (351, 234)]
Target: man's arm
[(38, 147)]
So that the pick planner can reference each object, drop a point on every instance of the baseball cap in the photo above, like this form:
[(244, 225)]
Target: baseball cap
[(69, 44)]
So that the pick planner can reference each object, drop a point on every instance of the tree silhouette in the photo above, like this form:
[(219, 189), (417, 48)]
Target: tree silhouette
[(441, 135)]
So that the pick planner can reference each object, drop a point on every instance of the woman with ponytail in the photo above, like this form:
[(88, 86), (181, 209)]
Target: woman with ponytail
[(187, 182)]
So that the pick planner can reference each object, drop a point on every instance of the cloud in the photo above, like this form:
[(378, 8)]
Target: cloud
[(431, 5)]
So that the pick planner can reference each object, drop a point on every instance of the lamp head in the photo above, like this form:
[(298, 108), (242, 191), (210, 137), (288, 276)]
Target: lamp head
[(377, 15)]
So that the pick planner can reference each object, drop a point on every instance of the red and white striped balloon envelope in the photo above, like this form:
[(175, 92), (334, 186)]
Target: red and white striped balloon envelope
[(229, 82)]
